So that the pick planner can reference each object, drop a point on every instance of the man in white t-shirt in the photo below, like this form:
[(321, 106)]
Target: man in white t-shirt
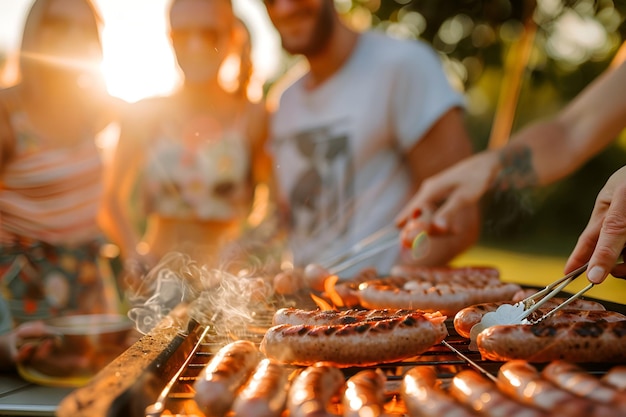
[(355, 136)]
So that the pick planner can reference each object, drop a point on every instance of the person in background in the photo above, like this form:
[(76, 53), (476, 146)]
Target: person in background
[(356, 135), (51, 260), (584, 127), (192, 158)]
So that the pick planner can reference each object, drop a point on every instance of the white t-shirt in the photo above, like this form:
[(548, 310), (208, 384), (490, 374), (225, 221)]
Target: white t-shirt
[(339, 149)]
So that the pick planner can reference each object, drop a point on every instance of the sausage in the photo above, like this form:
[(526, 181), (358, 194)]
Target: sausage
[(477, 275), (391, 293), (576, 380), (574, 342), (616, 377), (294, 316), (315, 276), (480, 394), (466, 318), (523, 382), (265, 393), (313, 389), (348, 290), (365, 394), (571, 316), (356, 344), (223, 375), (448, 298), (424, 398), (289, 282)]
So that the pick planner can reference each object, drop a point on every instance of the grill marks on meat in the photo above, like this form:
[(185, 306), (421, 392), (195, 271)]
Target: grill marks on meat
[(616, 377), (466, 318), (523, 382), (448, 298), (476, 275), (575, 342), (313, 389), (295, 316), (265, 393), (481, 394), (357, 344), (219, 381), (365, 394), (576, 380), (424, 398)]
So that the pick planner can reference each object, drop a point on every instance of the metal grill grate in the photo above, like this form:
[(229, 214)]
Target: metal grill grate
[(448, 358)]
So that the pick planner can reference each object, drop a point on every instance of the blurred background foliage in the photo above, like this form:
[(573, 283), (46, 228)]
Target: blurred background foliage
[(552, 49)]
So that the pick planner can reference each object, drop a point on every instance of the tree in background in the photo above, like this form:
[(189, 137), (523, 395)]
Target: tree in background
[(517, 61)]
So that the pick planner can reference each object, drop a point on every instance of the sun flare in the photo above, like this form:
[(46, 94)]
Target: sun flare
[(138, 58)]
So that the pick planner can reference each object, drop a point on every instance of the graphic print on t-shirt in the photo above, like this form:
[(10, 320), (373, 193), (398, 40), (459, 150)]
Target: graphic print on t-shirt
[(322, 194)]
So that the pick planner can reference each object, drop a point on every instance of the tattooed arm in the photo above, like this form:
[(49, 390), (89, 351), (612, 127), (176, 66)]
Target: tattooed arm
[(538, 155)]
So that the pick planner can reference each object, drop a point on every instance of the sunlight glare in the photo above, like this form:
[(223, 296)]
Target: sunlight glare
[(138, 61)]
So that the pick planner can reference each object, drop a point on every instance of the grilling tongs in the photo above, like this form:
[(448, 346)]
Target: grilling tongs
[(517, 313), (382, 239)]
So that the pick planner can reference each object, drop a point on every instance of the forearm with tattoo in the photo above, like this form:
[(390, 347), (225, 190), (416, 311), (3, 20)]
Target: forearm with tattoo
[(517, 169)]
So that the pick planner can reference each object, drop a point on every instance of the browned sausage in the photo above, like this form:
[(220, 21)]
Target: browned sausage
[(424, 398), (289, 282), (466, 318), (576, 380), (312, 390), (294, 316), (365, 394), (357, 344), (223, 375), (448, 298), (476, 275), (523, 382), (265, 393), (616, 377), (481, 394), (574, 342)]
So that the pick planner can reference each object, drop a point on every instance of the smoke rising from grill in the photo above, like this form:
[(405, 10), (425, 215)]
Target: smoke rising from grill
[(213, 296)]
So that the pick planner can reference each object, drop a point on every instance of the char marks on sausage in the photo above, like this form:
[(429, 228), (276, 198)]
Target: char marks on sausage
[(355, 344), (575, 342)]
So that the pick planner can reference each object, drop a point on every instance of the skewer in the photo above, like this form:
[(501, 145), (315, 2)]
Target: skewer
[(384, 238), (371, 251), (383, 234)]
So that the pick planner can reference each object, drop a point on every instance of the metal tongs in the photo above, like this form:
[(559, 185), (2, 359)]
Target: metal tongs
[(517, 313), (384, 238)]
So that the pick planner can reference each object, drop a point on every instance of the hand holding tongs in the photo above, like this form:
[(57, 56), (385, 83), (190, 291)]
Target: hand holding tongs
[(518, 312)]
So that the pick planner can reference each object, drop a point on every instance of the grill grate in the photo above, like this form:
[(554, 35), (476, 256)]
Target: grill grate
[(448, 358)]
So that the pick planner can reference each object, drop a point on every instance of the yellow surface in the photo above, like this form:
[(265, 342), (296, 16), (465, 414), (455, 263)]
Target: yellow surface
[(32, 375), (537, 270)]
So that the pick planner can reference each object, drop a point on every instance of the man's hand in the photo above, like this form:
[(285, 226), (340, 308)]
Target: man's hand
[(449, 192), (602, 241)]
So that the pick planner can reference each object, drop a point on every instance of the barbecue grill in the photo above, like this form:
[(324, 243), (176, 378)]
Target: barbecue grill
[(155, 376)]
